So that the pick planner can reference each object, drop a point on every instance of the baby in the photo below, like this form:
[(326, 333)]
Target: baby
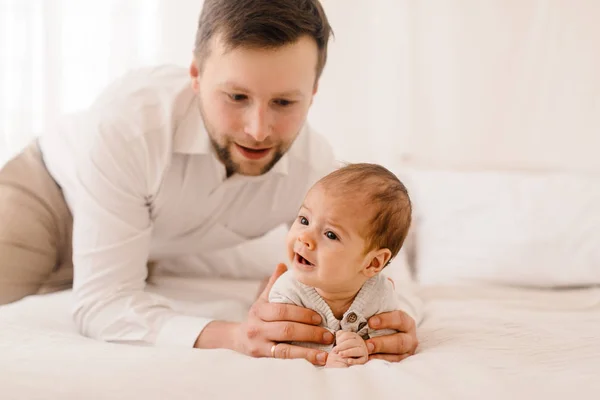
[(352, 223)]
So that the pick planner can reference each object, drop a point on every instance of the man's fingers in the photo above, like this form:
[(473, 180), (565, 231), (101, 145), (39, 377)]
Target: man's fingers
[(389, 357), (398, 343), (296, 332), (261, 288), (397, 320), (288, 351), (272, 312), (279, 270), (393, 283)]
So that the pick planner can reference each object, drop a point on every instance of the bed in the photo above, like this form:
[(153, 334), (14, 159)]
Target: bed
[(475, 342), (501, 319)]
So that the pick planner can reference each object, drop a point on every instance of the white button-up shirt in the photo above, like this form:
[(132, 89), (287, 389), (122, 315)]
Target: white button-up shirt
[(139, 174)]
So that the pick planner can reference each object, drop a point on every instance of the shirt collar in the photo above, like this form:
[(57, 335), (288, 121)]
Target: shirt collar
[(191, 138)]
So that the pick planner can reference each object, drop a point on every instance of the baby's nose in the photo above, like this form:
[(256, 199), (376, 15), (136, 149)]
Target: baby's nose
[(307, 239)]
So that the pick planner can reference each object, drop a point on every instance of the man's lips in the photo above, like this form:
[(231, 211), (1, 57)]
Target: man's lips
[(253, 153)]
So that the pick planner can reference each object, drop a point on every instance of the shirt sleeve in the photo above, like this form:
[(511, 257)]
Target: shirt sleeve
[(111, 203)]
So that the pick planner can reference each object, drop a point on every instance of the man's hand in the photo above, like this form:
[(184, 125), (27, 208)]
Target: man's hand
[(394, 347), (351, 348), (269, 325)]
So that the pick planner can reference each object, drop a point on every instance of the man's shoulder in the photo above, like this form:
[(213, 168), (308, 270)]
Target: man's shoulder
[(136, 89), (142, 103), (156, 78), (144, 87)]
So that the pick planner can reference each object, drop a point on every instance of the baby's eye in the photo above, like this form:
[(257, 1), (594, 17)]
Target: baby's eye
[(303, 221), (331, 235)]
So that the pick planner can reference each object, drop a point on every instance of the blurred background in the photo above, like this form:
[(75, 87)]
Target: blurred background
[(459, 84)]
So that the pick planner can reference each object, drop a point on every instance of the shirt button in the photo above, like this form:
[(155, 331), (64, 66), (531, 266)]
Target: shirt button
[(351, 318)]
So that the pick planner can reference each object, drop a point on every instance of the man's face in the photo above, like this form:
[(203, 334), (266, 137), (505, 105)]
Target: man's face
[(255, 101)]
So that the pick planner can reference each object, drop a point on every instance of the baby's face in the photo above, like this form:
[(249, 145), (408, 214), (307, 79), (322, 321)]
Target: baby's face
[(325, 243)]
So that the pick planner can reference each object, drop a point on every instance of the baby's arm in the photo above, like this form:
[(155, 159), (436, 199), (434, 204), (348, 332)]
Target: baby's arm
[(350, 349)]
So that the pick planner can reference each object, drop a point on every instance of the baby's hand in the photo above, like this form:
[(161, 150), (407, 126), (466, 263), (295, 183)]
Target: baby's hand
[(334, 360), (351, 347)]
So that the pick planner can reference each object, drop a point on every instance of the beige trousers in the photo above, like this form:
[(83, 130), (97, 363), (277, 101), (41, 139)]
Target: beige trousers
[(35, 229)]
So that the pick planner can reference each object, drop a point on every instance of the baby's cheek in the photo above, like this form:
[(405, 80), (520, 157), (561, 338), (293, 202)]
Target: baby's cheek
[(337, 261), (290, 239)]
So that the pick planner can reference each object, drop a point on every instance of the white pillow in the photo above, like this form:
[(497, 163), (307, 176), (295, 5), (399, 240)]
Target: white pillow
[(506, 227)]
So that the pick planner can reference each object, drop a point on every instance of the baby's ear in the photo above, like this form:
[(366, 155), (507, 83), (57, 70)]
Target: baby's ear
[(379, 259)]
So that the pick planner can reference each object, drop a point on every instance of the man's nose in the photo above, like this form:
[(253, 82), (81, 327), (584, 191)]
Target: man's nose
[(258, 123)]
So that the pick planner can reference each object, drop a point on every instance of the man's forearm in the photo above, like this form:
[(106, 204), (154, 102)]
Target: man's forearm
[(218, 335)]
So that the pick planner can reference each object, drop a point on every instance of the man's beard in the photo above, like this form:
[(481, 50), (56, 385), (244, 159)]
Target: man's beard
[(223, 151), (224, 154)]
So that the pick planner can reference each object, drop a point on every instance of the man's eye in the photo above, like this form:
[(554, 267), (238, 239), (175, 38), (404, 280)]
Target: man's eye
[(238, 97), (283, 102), (303, 221), (331, 235)]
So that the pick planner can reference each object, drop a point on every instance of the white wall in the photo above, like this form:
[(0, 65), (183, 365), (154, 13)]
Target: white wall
[(506, 84)]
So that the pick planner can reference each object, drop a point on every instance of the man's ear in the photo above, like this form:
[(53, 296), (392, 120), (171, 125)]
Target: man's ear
[(315, 90), (195, 75), (378, 260)]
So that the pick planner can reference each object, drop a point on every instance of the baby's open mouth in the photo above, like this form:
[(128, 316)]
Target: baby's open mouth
[(303, 260)]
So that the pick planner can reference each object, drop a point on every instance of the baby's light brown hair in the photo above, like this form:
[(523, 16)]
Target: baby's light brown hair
[(385, 197)]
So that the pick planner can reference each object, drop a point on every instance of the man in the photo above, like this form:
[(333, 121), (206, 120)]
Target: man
[(164, 168)]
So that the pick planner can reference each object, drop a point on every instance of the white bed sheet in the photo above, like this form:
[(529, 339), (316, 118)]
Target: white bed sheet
[(476, 342)]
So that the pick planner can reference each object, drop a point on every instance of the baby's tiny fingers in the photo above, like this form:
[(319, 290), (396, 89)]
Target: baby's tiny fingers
[(354, 352), (343, 336), (357, 361), (348, 344)]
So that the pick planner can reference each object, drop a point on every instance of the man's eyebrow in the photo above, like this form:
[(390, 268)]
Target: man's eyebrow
[(291, 93), (234, 86), (238, 88)]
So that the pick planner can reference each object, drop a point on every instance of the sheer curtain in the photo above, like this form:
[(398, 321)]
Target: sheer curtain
[(58, 54), (436, 83)]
